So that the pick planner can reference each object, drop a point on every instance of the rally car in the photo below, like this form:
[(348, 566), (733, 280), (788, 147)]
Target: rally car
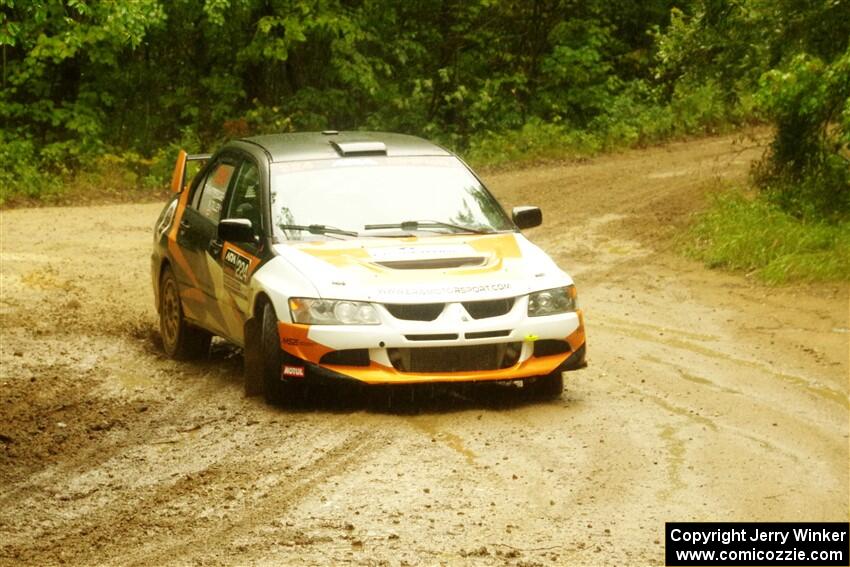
[(366, 256)]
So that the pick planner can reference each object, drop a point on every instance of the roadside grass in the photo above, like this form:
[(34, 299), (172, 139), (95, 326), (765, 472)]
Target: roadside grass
[(744, 233)]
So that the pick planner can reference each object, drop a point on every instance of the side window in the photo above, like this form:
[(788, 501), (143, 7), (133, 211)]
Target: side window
[(245, 201), (210, 196)]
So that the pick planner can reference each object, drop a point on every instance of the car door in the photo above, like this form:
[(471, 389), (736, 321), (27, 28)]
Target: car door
[(237, 261), (197, 239)]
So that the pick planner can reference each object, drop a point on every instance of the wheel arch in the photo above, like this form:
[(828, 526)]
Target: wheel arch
[(252, 325), (163, 264), (260, 301)]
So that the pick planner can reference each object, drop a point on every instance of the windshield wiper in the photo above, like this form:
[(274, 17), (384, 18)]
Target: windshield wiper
[(317, 229), (416, 225)]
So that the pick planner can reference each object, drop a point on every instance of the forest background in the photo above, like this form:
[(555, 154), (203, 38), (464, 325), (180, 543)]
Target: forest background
[(98, 95)]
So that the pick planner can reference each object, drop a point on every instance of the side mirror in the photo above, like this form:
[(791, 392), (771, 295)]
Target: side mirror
[(527, 217), (235, 230)]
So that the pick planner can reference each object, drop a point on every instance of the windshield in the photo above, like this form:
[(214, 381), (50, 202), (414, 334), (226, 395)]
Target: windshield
[(327, 198)]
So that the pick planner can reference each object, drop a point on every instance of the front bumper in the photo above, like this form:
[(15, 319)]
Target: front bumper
[(574, 361), (535, 346)]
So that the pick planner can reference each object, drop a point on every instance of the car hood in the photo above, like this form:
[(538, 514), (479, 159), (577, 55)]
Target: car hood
[(423, 270)]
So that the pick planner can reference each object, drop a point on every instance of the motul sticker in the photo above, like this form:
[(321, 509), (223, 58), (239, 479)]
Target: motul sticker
[(293, 372)]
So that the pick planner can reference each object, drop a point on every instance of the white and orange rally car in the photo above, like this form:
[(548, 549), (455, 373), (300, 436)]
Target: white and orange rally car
[(365, 256)]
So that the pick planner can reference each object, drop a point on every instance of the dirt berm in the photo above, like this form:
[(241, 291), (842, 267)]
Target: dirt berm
[(708, 397)]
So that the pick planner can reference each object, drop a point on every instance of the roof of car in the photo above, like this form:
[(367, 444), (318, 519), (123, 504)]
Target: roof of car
[(332, 144)]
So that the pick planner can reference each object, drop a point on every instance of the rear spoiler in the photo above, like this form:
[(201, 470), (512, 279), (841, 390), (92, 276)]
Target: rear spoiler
[(178, 178)]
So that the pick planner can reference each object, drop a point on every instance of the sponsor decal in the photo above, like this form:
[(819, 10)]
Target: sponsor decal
[(292, 372), (236, 265), (296, 342), (446, 290)]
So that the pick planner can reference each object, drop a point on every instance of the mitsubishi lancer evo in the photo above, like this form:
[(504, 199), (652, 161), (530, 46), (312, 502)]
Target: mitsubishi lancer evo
[(363, 256)]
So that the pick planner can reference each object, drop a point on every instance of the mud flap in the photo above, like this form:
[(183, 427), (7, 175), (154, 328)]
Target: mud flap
[(252, 357)]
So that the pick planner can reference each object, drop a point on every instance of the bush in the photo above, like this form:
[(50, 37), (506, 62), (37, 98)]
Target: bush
[(807, 171), (699, 108), (161, 164), (535, 141), (636, 116), (756, 236), (22, 177)]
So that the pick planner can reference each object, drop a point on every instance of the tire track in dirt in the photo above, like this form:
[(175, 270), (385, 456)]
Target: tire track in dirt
[(234, 493), (812, 387), (279, 495), (707, 398)]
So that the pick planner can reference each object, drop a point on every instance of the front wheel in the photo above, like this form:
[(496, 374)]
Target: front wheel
[(179, 339), (277, 389)]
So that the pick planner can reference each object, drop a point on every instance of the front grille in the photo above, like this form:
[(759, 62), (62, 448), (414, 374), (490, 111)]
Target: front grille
[(415, 311), (488, 308), (455, 359), (347, 357)]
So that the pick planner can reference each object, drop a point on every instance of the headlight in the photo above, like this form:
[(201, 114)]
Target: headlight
[(332, 312), (552, 301)]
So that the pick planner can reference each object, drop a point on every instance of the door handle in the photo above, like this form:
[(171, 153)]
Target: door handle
[(215, 248), (185, 224)]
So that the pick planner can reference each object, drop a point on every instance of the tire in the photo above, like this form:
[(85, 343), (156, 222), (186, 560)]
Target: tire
[(547, 387), (276, 389), (252, 356), (180, 340)]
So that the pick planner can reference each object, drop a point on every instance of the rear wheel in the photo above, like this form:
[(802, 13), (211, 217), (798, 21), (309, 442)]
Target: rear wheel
[(179, 339), (547, 387), (277, 389)]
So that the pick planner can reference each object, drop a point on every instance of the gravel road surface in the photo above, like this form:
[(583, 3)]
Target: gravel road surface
[(707, 397)]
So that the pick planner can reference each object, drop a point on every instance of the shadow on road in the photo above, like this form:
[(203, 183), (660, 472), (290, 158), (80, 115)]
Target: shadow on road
[(336, 396)]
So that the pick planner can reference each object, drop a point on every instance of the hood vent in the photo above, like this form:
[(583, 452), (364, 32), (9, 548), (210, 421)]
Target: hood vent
[(348, 149), (433, 263)]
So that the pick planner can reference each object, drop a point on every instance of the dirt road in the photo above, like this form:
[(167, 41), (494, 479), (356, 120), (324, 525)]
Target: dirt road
[(708, 397)]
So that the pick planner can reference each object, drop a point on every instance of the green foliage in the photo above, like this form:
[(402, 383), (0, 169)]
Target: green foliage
[(633, 117), (741, 233), (159, 168), (700, 108), (85, 79), (789, 62), (535, 141), (499, 80), (808, 169), (21, 176), (48, 49)]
